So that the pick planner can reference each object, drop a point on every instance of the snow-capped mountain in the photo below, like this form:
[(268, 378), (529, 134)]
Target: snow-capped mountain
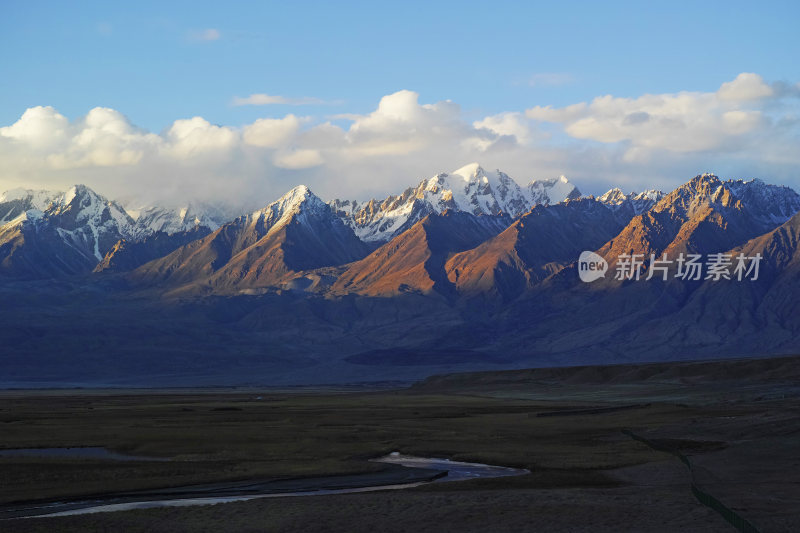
[(470, 189), (551, 191), (273, 245), (86, 218), (152, 219), (15, 202), (627, 206), (69, 236), (299, 205), (770, 203)]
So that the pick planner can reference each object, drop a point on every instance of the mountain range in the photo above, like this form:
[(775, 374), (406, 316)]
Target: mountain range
[(470, 189), (468, 270)]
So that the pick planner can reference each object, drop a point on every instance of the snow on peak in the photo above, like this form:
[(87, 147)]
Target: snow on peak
[(40, 199), (294, 201), (630, 204), (16, 202), (650, 194), (171, 220), (771, 203), (80, 217), (70, 195), (297, 196), (299, 204), (614, 196), (470, 172), (471, 189), (551, 191)]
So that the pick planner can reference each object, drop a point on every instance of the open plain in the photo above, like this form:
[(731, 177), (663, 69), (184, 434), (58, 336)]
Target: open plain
[(738, 422)]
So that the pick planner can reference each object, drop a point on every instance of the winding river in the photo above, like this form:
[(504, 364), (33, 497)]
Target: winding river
[(405, 471)]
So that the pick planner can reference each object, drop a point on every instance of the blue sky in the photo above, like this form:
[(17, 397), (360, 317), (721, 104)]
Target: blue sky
[(155, 64)]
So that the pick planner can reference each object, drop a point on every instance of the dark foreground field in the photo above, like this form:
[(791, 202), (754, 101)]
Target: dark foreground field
[(738, 423)]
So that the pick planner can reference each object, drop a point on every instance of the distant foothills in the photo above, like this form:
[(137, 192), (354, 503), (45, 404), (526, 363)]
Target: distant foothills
[(467, 270)]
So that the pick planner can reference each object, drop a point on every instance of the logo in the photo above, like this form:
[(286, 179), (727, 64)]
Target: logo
[(687, 267), (591, 267)]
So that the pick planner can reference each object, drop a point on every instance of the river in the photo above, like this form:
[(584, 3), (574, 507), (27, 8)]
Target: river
[(405, 471)]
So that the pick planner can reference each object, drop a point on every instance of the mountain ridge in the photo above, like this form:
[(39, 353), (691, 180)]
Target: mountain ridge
[(470, 189), (290, 290)]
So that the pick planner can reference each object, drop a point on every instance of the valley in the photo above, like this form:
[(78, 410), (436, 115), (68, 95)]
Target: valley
[(719, 413)]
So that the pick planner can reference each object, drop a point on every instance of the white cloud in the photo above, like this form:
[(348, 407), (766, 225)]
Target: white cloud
[(654, 140), (268, 99), (104, 138), (197, 137), (509, 124), (746, 86), (39, 127), (272, 132), (297, 159), (677, 122), (402, 126)]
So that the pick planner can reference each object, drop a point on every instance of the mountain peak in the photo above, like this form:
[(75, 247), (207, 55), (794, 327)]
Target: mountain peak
[(704, 181), (470, 189), (295, 198), (300, 191), (180, 218), (15, 203), (552, 191), (613, 196), (85, 195), (629, 205), (470, 171), (23, 194), (298, 204)]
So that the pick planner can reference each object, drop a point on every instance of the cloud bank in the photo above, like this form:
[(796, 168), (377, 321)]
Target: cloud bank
[(748, 127)]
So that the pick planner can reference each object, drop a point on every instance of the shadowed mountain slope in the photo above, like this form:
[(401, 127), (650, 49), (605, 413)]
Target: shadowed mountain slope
[(414, 260), (532, 248), (296, 233)]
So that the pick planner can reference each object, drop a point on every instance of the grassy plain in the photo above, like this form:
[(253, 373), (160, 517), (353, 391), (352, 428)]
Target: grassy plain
[(585, 474)]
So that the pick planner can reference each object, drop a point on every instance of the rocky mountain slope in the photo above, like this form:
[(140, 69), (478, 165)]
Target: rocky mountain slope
[(537, 245), (415, 260), (289, 289), (705, 215), (127, 255), (298, 232), (69, 236)]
